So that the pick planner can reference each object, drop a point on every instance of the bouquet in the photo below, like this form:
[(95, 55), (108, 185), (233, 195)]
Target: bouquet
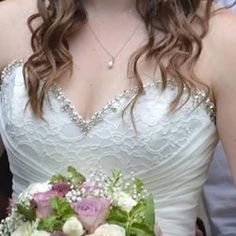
[(72, 205)]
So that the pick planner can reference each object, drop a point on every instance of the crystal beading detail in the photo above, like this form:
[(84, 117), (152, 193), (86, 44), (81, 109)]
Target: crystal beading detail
[(7, 71), (200, 96), (85, 125)]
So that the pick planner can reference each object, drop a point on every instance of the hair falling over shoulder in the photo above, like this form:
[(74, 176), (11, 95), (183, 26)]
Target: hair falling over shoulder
[(180, 43)]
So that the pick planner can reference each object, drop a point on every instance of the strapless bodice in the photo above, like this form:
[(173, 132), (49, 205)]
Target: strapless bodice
[(171, 152)]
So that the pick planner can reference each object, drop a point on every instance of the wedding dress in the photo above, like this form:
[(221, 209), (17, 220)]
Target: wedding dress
[(171, 152)]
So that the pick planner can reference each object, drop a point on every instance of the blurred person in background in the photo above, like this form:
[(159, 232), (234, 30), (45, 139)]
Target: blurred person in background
[(220, 196)]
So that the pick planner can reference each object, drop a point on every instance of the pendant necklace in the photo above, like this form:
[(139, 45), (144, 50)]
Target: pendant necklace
[(111, 61)]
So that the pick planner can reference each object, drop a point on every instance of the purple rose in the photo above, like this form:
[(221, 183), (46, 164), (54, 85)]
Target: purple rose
[(89, 187), (42, 202), (92, 212), (61, 188)]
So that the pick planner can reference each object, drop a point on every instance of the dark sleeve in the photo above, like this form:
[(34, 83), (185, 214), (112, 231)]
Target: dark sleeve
[(5, 184)]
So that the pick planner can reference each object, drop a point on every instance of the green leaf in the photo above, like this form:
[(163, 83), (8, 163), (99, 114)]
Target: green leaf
[(51, 224), (149, 212), (115, 180), (116, 214), (138, 229), (116, 175), (142, 215), (139, 185), (62, 211), (58, 178), (62, 208), (28, 213), (75, 177), (137, 209)]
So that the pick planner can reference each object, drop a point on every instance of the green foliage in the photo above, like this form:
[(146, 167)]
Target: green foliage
[(149, 213), (115, 180), (117, 214), (61, 212), (139, 229), (28, 213), (51, 224), (140, 221), (58, 178), (74, 177), (62, 208), (139, 185)]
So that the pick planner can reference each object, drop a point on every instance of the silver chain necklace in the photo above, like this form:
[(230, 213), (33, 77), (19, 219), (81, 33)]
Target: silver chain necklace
[(111, 62)]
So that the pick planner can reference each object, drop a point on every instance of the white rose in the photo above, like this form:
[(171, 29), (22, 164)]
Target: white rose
[(124, 200), (109, 230), (40, 233), (24, 229), (34, 188), (73, 227)]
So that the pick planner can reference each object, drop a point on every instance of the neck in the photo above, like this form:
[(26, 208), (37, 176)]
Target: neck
[(110, 7)]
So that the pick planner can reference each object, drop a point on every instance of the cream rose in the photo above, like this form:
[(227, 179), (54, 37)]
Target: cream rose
[(73, 227), (40, 233), (35, 188), (109, 230), (124, 200), (25, 229)]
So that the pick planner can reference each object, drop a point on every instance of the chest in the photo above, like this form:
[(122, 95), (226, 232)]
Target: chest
[(158, 133)]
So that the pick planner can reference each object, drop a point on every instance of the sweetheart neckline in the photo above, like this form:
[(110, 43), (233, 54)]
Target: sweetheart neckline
[(111, 105)]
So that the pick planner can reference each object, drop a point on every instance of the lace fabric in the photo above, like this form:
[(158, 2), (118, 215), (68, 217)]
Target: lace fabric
[(170, 152)]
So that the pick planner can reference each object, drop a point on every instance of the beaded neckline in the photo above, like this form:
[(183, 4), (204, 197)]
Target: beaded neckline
[(7, 70), (85, 126), (111, 106)]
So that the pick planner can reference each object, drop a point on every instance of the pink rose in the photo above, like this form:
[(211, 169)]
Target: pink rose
[(92, 212), (89, 187), (42, 201), (61, 188)]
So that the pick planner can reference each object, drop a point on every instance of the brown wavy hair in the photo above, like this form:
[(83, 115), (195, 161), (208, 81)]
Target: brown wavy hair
[(181, 43)]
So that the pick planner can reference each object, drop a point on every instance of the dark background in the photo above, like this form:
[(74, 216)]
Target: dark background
[(5, 184)]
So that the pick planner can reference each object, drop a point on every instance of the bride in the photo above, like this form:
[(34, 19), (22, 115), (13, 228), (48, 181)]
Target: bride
[(144, 86)]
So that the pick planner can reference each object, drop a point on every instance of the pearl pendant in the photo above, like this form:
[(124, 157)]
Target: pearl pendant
[(111, 63)]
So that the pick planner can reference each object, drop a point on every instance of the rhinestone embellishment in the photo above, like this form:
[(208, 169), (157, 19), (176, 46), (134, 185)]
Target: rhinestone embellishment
[(199, 96), (7, 71), (85, 126)]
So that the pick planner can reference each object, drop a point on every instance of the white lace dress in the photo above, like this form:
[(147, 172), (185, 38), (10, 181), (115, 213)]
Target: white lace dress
[(170, 152)]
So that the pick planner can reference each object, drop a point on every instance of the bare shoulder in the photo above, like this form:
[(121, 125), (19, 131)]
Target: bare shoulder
[(218, 59), (15, 35), (223, 29), (223, 48), (221, 52)]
